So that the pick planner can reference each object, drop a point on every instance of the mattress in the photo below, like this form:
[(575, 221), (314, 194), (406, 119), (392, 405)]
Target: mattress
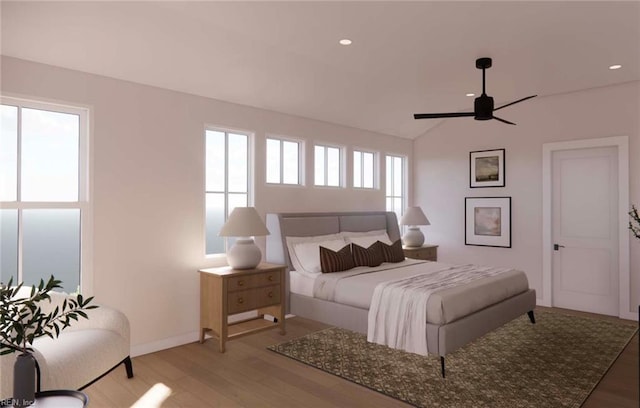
[(356, 286)]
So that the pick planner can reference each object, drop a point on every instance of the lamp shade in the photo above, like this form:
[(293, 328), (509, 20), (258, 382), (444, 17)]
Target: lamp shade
[(414, 216), (244, 222)]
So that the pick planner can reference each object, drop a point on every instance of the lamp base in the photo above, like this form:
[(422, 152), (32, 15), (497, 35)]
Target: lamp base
[(244, 254), (413, 237)]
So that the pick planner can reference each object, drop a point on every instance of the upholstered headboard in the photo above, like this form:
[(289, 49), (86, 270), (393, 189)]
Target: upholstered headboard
[(311, 224)]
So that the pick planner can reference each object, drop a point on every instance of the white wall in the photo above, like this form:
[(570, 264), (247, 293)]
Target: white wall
[(441, 171), (148, 181)]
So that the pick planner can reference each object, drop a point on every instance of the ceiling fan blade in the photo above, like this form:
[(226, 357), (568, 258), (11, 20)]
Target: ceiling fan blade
[(502, 120), (514, 102), (442, 115)]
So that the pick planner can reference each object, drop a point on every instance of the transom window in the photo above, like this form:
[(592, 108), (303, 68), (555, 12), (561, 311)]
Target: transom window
[(363, 169), (43, 192), (327, 166), (395, 181), (227, 182), (283, 161)]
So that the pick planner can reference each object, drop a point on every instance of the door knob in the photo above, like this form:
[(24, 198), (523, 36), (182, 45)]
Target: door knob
[(556, 247)]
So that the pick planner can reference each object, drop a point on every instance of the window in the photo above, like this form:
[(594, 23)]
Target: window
[(395, 194), (328, 163), (363, 169), (283, 161), (227, 182), (43, 192)]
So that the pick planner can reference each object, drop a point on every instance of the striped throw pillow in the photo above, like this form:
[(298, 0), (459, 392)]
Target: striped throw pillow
[(371, 256), (336, 261), (393, 252)]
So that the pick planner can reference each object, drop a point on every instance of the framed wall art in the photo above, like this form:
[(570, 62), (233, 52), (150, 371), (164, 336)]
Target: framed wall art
[(486, 168), (488, 221)]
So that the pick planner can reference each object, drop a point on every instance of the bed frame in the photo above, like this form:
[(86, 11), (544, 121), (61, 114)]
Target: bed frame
[(441, 339)]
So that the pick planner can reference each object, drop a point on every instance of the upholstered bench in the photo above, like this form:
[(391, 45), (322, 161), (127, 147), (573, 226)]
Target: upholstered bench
[(82, 354)]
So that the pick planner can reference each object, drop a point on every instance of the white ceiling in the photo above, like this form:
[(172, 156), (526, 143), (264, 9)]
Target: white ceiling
[(406, 57)]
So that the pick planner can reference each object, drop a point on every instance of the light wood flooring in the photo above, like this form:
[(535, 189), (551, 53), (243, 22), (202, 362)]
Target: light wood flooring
[(248, 375)]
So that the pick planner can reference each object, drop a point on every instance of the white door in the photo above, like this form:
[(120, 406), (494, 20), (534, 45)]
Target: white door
[(585, 229)]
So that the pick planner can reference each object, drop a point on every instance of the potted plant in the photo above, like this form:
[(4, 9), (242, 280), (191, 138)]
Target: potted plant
[(22, 321), (635, 219)]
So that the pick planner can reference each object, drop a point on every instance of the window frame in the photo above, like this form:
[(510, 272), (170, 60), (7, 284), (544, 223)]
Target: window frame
[(341, 165), (281, 141), (250, 181), (374, 169), (403, 193), (83, 202)]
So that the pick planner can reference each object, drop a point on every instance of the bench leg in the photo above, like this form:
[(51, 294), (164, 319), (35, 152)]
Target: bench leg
[(531, 316), (442, 365), (128, 366)]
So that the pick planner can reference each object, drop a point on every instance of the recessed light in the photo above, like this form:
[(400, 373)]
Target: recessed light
[(345, 41), (615, 66), (471, 94)]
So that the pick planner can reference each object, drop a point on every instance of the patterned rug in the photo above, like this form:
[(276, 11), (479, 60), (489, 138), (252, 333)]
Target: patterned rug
[(555, 363)]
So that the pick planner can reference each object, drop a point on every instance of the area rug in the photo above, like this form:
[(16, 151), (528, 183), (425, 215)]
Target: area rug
[(555, 363)]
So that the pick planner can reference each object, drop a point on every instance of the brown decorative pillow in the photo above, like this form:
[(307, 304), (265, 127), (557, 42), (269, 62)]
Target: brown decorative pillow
[(371, 256), (332, 261), (393, 252)]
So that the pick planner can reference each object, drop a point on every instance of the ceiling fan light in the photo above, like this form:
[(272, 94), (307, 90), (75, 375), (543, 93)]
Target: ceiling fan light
[(470, 94)]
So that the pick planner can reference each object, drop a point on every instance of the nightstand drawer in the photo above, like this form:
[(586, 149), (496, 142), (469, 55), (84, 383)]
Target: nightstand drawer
[(251, 299), (253, 281), (425, 252)]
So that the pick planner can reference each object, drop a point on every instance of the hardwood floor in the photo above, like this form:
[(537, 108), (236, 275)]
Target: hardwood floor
[(248, 375)]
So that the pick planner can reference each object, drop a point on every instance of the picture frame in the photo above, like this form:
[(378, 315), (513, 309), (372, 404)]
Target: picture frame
[(488, 221), (486, 168)]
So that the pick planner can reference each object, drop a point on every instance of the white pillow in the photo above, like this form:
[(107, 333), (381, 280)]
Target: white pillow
[(366, 239), (295, 259), (308, 253)]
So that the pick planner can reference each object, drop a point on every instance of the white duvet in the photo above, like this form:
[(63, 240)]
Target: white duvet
[(398, 312)]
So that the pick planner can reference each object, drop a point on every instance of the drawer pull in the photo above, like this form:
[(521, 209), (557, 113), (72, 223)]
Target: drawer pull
[(240, 283), (270, 294), (270, 278), (240, 300)]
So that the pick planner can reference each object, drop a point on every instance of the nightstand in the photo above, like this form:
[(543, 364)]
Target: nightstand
[(425, 252), (225, 291)]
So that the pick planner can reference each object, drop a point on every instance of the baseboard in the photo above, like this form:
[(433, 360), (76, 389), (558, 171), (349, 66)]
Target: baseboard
[(152, 347), (175, 341), (629, 315), (542, 302)]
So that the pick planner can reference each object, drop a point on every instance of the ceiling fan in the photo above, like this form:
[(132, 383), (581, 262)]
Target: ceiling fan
[(483, 105)]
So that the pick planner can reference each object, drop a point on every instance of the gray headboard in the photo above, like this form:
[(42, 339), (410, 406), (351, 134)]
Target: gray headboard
[(310, 224)]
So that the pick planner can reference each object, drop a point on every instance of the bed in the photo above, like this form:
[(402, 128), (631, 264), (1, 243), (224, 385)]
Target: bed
[(456, 315)]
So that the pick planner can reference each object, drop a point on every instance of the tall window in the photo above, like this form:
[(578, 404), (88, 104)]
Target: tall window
[(395, 194), (363, 169), (283, 161), (227, 182), (327, 166), (43, 192)]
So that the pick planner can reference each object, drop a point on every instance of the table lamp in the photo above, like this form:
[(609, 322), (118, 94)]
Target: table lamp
[(244, 223), (414, 217)]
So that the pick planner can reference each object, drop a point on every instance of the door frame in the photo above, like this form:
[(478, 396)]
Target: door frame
[(622, 143)]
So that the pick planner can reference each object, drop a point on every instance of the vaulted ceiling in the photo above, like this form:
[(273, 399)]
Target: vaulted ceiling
[(406, 57)]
